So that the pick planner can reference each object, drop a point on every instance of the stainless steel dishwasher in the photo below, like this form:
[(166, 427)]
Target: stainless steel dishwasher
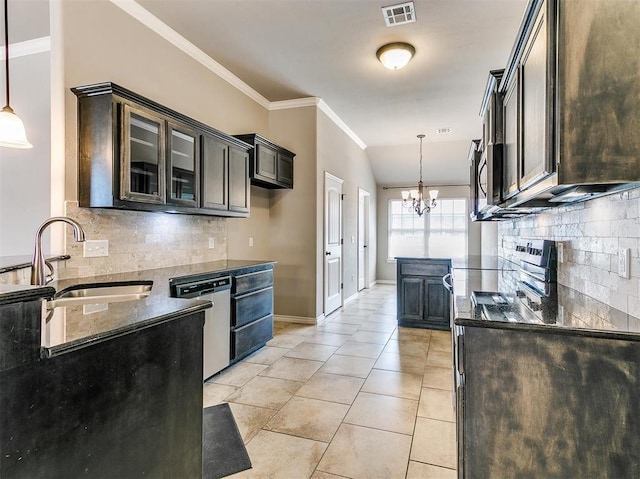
[(217, 323)]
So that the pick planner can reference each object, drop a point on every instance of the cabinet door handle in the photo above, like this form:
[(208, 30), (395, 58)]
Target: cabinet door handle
[(327, 253), (446, 284)]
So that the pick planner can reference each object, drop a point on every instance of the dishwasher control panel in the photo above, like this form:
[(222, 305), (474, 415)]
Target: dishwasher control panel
[(202, 287)]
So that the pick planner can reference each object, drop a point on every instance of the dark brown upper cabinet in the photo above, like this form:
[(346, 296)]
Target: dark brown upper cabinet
[(270, 165), (568, 100), (137, 154)]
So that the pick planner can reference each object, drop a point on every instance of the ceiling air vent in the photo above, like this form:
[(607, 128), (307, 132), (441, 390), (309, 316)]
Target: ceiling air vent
[(399, 14)]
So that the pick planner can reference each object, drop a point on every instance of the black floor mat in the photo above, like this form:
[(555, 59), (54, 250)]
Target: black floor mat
[(223, 452)]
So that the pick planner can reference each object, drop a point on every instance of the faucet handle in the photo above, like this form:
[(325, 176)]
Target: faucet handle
[(49, 277)]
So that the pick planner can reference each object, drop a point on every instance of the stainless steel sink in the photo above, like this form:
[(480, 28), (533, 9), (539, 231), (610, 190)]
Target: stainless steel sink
[(100, 293)]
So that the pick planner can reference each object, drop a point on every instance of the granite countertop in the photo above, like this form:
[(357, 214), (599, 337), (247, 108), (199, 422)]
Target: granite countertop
[(575, 313), (72, 327)]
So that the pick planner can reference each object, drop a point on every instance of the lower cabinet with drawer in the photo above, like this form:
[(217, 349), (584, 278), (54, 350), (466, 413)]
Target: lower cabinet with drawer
[(423, 300), (251, 310)]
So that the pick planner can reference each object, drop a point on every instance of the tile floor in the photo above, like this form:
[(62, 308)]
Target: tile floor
[(356, 397)]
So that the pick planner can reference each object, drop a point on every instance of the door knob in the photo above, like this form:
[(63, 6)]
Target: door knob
[(327, 253)]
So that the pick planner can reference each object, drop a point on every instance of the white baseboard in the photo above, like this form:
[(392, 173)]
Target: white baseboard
[(350, 298), (297, 319), (385, 281)]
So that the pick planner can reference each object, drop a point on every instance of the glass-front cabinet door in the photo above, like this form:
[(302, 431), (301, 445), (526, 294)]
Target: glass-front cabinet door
[(142, 156), (182, 171)]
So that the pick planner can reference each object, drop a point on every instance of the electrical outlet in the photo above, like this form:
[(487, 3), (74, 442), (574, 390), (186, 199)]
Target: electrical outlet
[(623, 262), (560, 247), (250, 240), (95, 248), (212, 243)]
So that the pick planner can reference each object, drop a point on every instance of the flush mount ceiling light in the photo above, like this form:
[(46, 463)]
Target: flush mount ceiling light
[(395, 55), (415, 199), (12, 132)]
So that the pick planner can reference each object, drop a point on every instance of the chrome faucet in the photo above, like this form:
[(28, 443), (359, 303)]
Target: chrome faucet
[(38, 274)]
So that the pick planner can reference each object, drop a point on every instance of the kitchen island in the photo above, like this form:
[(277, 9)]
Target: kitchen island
[(551, 398)]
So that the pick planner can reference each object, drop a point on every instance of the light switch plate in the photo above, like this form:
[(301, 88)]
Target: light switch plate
[(250, 240), (212, 243), (95, 248), (623, 263)]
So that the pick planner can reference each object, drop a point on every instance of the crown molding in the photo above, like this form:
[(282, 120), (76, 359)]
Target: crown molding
[(165, 31), (29, 47)]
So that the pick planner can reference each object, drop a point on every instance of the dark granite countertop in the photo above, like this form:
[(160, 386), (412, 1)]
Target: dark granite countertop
[(576, 313), (73, 327)]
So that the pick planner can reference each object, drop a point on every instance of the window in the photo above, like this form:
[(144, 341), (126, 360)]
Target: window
[(439, 234)]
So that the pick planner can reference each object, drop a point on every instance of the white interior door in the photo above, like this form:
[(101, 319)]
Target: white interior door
[(363, 238), (332, 243)]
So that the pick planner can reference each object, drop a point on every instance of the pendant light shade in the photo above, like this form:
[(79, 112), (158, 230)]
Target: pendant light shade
[(12, 133)]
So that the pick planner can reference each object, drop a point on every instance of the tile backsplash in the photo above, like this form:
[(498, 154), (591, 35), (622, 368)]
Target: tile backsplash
[(591, 233), (141, 240)]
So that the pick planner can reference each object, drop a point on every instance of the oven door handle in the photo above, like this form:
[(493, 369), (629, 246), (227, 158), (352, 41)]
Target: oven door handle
[(446, 284)]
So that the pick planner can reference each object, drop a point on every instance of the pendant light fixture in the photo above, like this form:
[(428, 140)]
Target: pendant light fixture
[(395, 55), (415, 199), (12, 132)]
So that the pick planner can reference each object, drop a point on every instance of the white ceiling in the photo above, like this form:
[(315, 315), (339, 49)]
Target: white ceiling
[(289, 49)]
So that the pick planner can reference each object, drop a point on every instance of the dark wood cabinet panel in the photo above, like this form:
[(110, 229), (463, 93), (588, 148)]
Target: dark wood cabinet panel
[(252, 336), (215, 168), (137, 154), (511, 143), (423, 300), (239, 186), (251, 306), (270, 165), (245, 283)]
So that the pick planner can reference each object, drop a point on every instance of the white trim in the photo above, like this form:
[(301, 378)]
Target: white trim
[(386, 281), (29, 47), (296, 103), (165, 31), (353, 297), (333, 177), (373, 283), (322, 106), (296, 319)]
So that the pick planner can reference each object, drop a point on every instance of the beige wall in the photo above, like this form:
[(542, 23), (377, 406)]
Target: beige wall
[(342, 157), (386, 267), (140, 60)]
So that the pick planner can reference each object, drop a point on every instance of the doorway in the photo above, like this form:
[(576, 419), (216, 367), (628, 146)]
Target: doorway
[(332, 243), (363, 239)]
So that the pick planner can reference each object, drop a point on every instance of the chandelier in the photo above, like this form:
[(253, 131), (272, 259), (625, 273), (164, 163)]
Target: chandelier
[(414, 199)]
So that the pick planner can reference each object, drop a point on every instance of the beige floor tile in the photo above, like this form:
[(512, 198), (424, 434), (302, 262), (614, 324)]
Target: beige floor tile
[(437, 404), (285, 341), (239, 374), (434, 442), (275, 455), (383, 412), (440, 359), (250, 419), (348, 319), (404, 333), (348, 366), (215, 393), (387, 327), (331, 387), (308, 418), (439, 378), (325, 475), (340, 328), (330, 339), (363, 453), (362, 350), (293, 369), (401, 363), (374, 337), (298, 329), (265, 392), (440, 341), (393, 383), (409, 348), (418, 470), (317, 352), (267, 355)]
